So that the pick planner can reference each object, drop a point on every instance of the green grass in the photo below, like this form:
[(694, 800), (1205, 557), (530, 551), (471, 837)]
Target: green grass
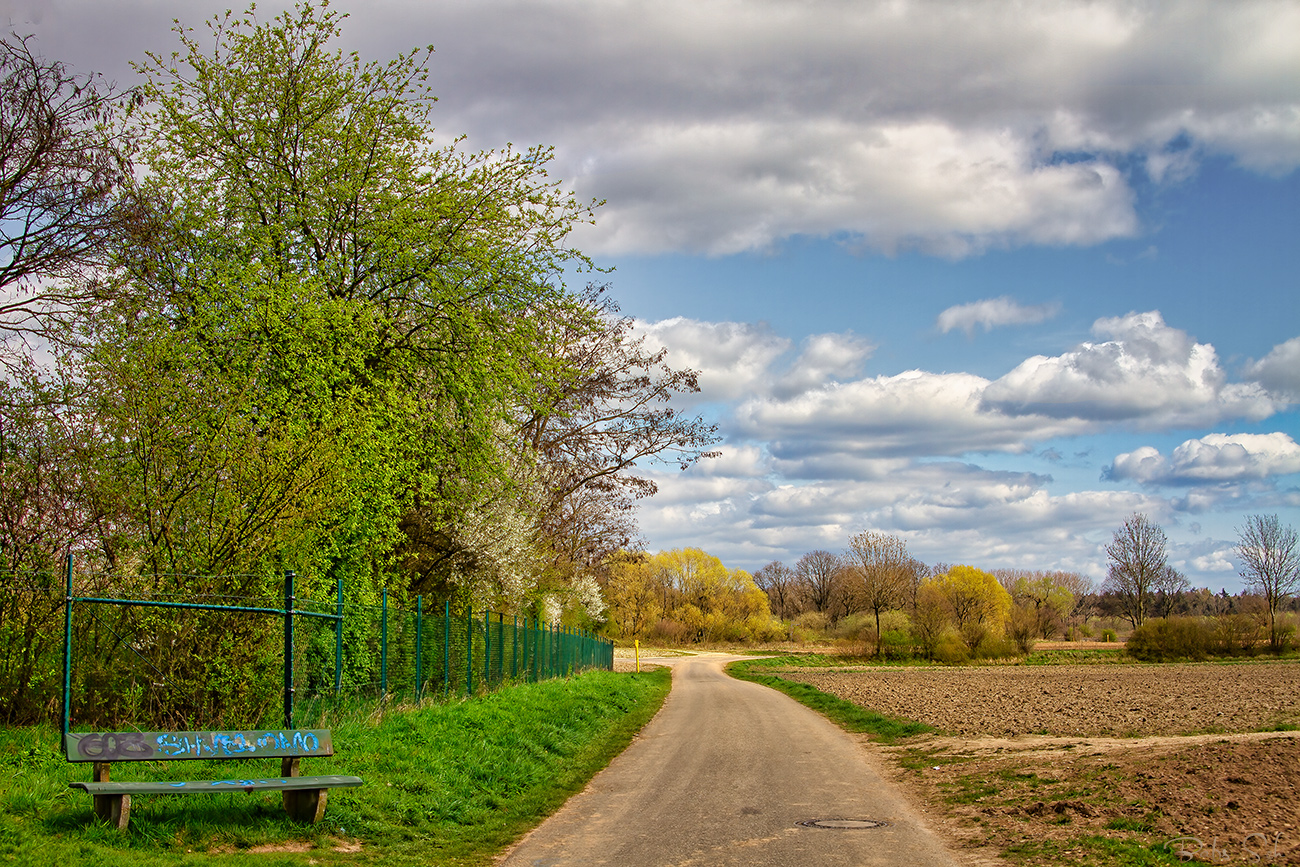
[(1093, 849), (1112, 654), (843, 713), (449, 784)]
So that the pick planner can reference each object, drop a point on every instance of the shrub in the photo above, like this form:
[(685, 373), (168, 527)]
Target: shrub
[(896, 644), (1162, 639), (809, 626), (667, 631), (1237, 634), (1109, 635), (859, 627), (950, 649), (993, 647), (1022, 628), (1286, 631)]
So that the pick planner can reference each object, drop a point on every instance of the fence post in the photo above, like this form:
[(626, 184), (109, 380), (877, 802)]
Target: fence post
[(67, 648), (289, 575), (383, 643), (446, 645), (419, 647), (514, 648), (469, 650), (338, 641), (487, 649)]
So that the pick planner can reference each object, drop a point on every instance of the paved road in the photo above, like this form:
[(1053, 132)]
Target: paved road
[(721, 776)]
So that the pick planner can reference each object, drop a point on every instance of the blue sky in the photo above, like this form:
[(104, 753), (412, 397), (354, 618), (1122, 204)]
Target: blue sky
[(990, 276)]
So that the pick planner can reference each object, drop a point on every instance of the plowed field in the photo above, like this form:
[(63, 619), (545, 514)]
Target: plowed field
[(1120, 700), (1051, 765)]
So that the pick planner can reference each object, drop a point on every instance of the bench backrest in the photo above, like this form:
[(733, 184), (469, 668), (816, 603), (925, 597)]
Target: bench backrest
[(169, 746)]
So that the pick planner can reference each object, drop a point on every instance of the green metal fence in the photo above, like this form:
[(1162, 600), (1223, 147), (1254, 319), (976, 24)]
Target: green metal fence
[(133, 655)]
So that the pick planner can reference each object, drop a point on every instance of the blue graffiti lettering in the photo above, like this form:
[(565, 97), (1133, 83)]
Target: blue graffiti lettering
[(300, 741), (273, 739)]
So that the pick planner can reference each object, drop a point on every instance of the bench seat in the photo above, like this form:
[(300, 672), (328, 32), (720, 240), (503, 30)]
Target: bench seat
[(216, 786)]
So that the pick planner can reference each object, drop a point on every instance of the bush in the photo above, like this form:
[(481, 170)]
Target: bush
[(896, 644), (1286, 631), (857, 627), (1162, 639), (809, 626), (667, 631), (1022, 628), (1109, 635), (1237, 634), (950, 649), (993, 647)]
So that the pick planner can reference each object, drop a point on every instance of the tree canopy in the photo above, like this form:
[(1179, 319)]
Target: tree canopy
[(341, 340)]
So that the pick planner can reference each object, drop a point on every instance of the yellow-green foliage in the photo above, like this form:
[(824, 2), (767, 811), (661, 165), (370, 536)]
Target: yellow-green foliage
[(686, 595), (976, 602)]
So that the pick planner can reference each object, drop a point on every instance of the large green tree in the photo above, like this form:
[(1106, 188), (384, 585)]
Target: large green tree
[(335, 316)]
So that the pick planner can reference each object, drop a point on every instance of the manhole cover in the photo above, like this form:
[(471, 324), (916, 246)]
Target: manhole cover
[(843, 824)]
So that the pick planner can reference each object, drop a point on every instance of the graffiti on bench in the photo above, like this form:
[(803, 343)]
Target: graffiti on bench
[(135, 746)]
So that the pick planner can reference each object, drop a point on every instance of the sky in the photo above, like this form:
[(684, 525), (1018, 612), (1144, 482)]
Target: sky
[(988, 276)]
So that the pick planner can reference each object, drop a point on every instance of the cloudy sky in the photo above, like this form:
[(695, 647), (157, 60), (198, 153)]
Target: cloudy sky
[(991, 276)]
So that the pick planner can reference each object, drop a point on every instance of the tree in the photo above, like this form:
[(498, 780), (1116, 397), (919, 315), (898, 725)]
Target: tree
[(884, 571), (1167, 590), (632, 594), (818, 573), (1051, 596), (346, 289), (1137, 561), (711, 601), (978, 603), (1270, 557), (781, 585), (598, 414), (63, 173), (930, 616)]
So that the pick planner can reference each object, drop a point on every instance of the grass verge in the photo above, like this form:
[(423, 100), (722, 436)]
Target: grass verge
[(845, 714), (448, 784)]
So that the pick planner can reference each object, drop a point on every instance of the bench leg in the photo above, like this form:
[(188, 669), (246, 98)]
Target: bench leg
[(114, 809), (306, 805)]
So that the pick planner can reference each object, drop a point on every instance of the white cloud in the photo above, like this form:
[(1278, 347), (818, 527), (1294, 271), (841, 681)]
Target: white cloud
[(732, 358), (721, 187), (722, 125), (946, 510), (819, 419), (950, 128), (991, 313), (1218, 560), (912, 413), (1211, 459), (825, 357), (1279, 371), (1148, 374)]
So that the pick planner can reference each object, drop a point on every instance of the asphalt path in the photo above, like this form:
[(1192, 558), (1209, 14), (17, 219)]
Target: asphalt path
[(723, 775)]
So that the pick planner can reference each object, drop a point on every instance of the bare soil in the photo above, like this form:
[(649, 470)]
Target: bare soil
[(1071, 764)]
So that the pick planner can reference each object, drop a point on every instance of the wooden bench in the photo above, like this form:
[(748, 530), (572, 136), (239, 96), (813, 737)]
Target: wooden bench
[(304, 797)]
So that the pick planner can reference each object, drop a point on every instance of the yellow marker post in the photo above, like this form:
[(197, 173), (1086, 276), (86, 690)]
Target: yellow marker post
[(636, 643)]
